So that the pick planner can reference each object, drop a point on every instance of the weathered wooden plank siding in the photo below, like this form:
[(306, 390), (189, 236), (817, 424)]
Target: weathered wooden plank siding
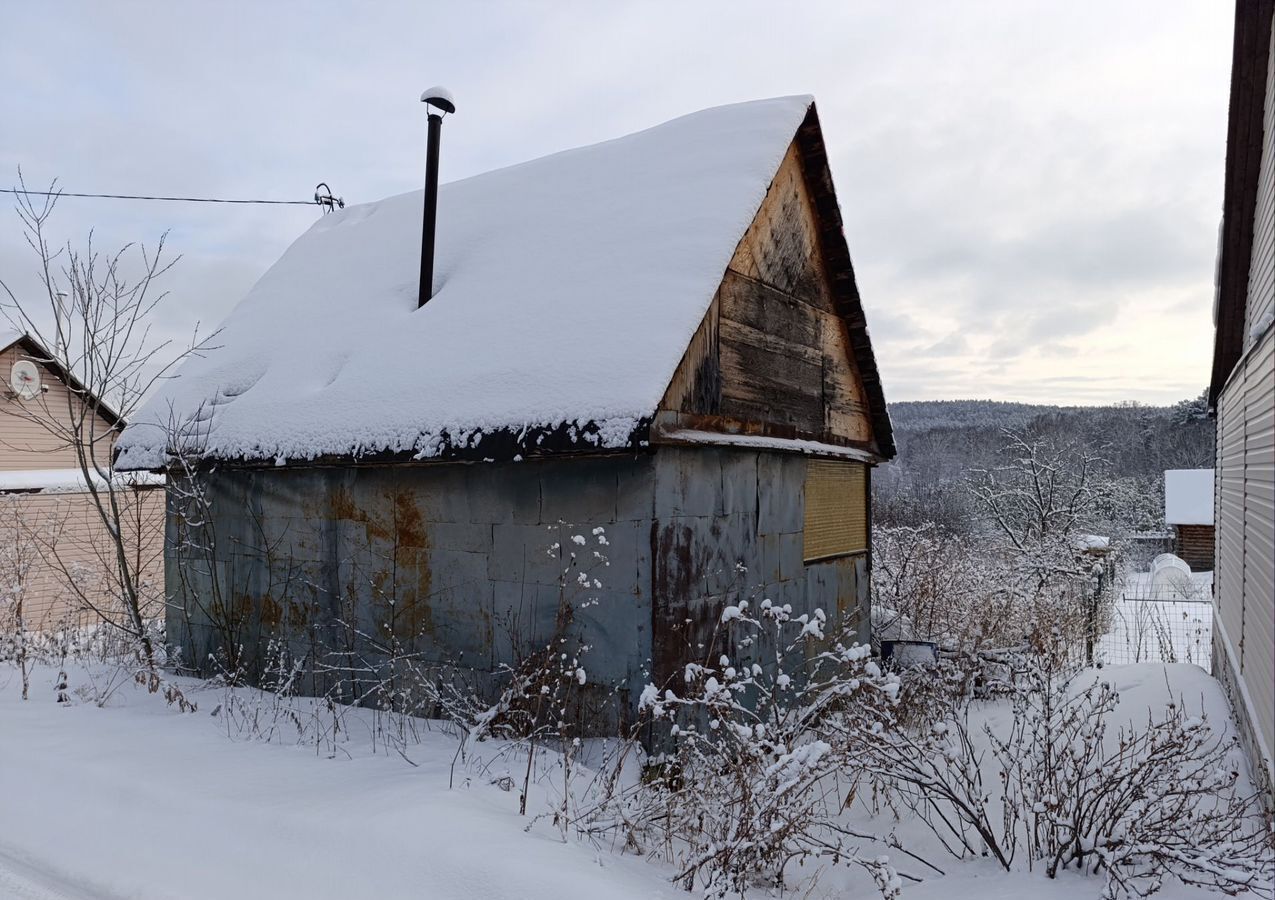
[(696, 387), (1194, 544), (771, 352), (781, 247), (772, 367)]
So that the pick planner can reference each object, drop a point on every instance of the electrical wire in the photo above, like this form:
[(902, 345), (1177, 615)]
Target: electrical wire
[(315, 202)]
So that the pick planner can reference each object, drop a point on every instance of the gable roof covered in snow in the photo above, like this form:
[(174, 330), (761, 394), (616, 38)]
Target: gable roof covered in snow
[(1188, 497), (566, 289)]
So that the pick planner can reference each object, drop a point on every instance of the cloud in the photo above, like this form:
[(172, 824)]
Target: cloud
[(1009, 172), (955, 344)]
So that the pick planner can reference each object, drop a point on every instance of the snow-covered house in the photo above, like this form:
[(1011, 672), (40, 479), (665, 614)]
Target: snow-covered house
[(1188, 511), (50, 530), (651, 348), (1242, 393)]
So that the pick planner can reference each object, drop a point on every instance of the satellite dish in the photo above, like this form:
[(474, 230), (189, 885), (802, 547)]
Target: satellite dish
[(24, 379)]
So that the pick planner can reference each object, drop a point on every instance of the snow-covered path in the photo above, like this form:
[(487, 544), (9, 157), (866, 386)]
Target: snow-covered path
[(21, 880)]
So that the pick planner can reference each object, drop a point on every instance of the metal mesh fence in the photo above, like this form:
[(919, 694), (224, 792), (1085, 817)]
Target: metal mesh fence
[(1159, 623)]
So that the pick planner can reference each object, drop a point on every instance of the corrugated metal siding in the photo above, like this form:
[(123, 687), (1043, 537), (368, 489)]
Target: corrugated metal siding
[(1261, 273), (836, 518)]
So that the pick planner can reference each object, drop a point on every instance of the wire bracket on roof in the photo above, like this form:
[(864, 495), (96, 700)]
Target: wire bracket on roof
[(323, 197)]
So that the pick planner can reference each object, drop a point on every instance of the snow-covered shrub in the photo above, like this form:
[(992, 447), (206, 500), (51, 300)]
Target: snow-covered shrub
[(1135, 804), (545, 698), (977, 596), (762, 736)]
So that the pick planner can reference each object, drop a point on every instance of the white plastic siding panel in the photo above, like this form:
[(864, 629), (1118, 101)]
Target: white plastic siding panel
[(1259, 535), (1261, 273), (1229, 563)]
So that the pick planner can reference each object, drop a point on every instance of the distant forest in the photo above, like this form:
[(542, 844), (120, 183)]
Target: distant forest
[(941, 442)]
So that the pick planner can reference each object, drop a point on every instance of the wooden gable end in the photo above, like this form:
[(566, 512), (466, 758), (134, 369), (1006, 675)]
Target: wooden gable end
[(773, 356)]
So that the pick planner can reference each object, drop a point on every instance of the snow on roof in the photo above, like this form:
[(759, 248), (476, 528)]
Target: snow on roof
[(65, 480), (1188, 496), (762, 442), (1091, 542), (567, 291)]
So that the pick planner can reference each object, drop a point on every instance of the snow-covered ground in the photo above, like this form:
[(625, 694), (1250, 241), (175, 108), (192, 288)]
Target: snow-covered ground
[(136, 800), (139, 801)]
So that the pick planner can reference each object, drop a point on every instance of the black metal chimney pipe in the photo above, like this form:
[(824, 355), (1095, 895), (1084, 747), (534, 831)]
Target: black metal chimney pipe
[(437, 98)]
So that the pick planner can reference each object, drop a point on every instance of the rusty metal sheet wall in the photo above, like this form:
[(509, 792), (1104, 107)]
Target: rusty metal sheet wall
[(458, 562), (446, 563), (729, 526)]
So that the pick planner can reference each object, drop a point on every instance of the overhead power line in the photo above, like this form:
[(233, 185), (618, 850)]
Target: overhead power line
[(323, 199)]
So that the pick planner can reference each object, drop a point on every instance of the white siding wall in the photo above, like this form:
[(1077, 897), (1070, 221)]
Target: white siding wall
[(1258, 655), (1244, 576), (1261, 273)]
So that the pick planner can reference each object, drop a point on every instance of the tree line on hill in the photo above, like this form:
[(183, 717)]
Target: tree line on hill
[(945, 445)]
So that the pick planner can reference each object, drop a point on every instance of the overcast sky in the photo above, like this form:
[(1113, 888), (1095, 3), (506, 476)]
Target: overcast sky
[(1031, 191)]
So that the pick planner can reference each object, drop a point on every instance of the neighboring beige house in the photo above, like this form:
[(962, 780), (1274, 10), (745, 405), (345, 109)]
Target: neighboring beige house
[(1242, 393), (54, 554)]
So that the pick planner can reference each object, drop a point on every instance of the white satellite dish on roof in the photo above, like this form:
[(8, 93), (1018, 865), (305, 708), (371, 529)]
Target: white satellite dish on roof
[(24, 379)]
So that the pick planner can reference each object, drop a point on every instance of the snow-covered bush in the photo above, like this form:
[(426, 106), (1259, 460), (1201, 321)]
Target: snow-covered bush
[(1133, 803), (761, 737), (929, 583), (1023, 563), (981, 595)]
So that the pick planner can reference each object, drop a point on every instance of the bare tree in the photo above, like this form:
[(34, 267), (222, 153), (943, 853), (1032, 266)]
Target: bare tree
[(1039, 501), (94, 316), (17, 557), (1042, 493)]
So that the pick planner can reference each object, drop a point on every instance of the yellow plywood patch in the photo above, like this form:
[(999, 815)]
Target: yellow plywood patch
[(836, 508)]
